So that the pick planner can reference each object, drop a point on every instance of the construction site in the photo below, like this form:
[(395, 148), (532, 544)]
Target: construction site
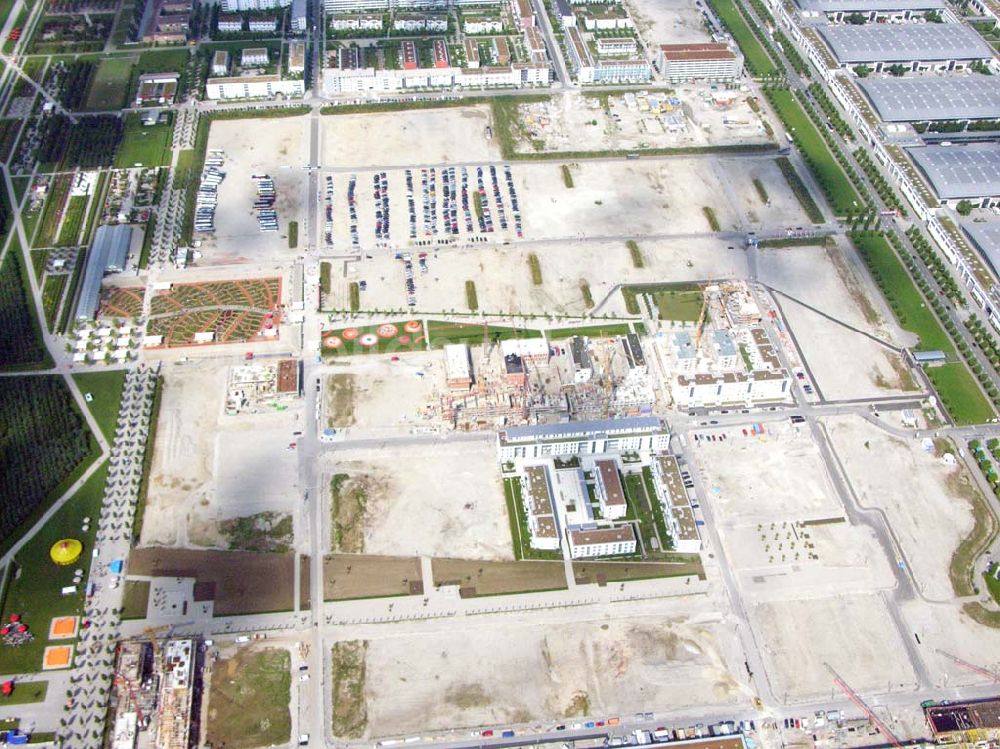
[(536, 380), (155, 702)]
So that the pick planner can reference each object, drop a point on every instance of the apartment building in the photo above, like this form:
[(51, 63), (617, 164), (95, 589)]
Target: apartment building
[(713, 62)]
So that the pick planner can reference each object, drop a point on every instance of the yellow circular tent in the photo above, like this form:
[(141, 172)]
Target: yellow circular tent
[(66, 551)]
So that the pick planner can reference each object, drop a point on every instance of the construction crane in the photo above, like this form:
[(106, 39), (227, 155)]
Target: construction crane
[(880, 726), (991, 675), (122, 679), (151, 633), (699, 328)]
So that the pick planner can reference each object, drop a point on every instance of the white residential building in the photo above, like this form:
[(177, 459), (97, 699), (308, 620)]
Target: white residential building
[(229, 24), (457, 366), (220, 63), (609, 489), (357, 22), (299, 20), (340, 80), (536, 495), (713, 61), (351, 6), (617, 45), (253, 87), (673, 498), (253, 57), (420, 23), (724, 350), (602, 542), (482, 25), (731, 387), (636, 434), (263, 25), (234, 6)]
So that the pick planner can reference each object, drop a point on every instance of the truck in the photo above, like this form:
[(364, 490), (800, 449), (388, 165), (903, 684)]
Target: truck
[(642, 737)]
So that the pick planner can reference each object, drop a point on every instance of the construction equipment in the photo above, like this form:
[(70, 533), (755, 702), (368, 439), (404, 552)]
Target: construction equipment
[(151, 633), (991, 675), (880, 726), (121, 679)]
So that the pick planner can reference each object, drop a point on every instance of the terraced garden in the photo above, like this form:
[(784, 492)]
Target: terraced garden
[(119, 302), (259, 293)]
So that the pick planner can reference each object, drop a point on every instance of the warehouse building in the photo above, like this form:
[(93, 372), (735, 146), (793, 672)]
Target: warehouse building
[(923, 47), (957, 173), (714, 62), (872, 10), (922, 99), (636, 434), (108, 254), (985, 236), (602, 542)]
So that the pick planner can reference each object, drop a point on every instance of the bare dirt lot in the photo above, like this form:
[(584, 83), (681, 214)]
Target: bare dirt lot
[(477, 578), (668, 21), (853, 634), (504, 284), (444, 500), (440, 136), (277, 148), (945, 628), (775, 477), (348, 576), (920, 495), (778, 560), (498, 672), (829, 280), (234, 580), (373, 395), (209, 467), (700, 117)]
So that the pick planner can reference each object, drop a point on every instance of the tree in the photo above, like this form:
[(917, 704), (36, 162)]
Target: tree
[(964, 207), (897, 70), (862, 71), (857, 19), (933, 16)]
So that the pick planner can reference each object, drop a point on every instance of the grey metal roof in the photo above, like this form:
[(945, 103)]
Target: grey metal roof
[(109, 253), (957, 172), (986, 237), (906, 42), (572, 428), (862, 6), (969, 97)]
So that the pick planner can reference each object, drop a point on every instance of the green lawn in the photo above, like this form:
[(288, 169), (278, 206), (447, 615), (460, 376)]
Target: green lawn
[(960, 394), (838, 188), (899, 290), (679, 302), (106, 390), (992, 584), (606, 330), (69, 231), (443, 333), (36, 594), (252, 710), (110, 84), (758, 61), (144, 145), (26, 693)]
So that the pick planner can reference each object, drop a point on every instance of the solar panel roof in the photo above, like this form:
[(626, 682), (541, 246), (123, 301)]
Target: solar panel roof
[(972, 97), (892, 43), (957, 172)]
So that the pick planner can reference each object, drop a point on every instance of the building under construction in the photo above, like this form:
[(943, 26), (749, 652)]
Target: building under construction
[(965, 722), (532, 380), (155, 687)]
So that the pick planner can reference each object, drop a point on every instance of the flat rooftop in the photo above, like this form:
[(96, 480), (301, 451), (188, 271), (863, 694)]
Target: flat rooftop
[(607, 471), (862, 6), (986, 238), (705, 51), (572, 429), (671, 481), (967, 97), (619, 534), (892, 43), (957, 172)]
